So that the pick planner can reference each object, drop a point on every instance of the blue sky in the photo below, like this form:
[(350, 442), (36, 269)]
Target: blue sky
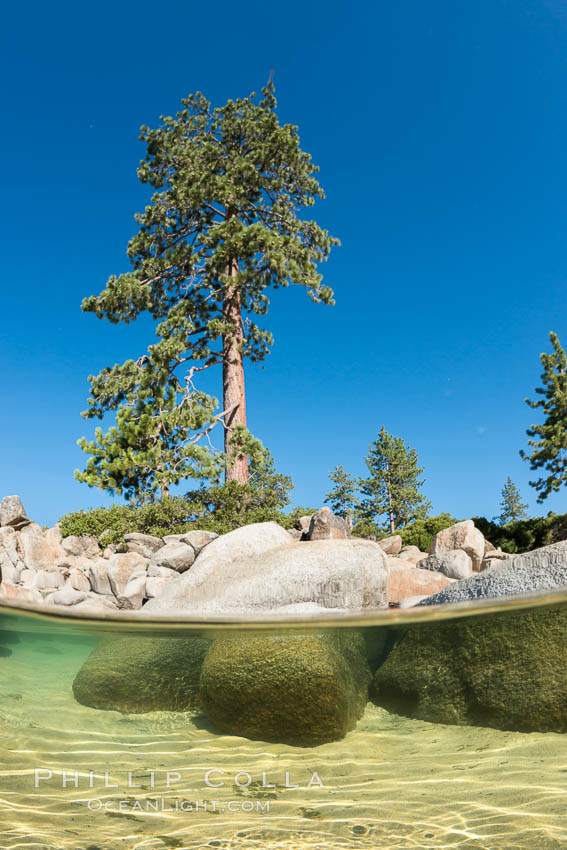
[(441, 132)]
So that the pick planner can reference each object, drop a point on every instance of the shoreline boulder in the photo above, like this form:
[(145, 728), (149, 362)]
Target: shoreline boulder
[(541, 569), (13, 513), (406, 580), (462, 535), (456, 564), (325, 525), (392, 545), (338, 574)]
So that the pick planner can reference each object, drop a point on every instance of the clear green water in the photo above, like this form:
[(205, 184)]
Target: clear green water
[(392, 782)]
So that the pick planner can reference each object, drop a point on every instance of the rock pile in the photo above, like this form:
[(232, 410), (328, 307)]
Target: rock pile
[(304, 688), (336, 571), (40, 567)]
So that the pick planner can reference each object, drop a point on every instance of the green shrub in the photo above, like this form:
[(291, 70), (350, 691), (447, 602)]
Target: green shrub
[(220, 509), (366, 528), (524, 534), (421, 532), (109, 525)]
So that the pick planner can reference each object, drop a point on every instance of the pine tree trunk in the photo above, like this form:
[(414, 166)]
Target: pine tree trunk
[(390, 505), (164, 492), (234, 396)]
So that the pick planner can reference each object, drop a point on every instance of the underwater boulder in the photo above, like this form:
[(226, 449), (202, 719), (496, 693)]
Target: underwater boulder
[(505, 670), (301, 689), (138, 674)]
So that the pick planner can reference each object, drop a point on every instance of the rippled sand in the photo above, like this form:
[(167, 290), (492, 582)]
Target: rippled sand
[(392, 783)]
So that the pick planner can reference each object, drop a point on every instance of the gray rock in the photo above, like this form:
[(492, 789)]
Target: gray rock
[(98, 576), (76, 562), (304, 522), (66, 596), (134, 593), (122, 567), (325, 525), (12, 512), (143, 544), (161, 572), (493, 558), (79, 581), (462, 535), (409, 551), (174, 556), (410, 601), (39, 550), (197, 539), (8, 572), (17, 593), (344, 574), (96, 603), (84, 545), (155, 585), (10, 558), (251, 539), (391, 545), (456, 564), (27, 577), (542, 569), (45, 579)]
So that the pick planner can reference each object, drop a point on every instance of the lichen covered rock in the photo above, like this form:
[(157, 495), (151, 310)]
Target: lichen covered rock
[(302, 689), (505, 671), (138, 674)]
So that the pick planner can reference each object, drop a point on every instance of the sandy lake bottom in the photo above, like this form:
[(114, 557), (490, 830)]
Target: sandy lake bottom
[(169, 780)]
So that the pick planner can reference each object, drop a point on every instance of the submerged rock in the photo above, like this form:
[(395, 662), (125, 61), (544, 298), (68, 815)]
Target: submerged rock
[(294, 689), (137, 674), (506, 671)]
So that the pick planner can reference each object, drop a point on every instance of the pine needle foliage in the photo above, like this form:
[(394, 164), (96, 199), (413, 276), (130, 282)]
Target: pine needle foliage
[(548, 440), (224, 226)]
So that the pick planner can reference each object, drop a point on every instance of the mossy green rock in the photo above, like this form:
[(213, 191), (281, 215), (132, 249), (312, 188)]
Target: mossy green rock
[(507, 671), (134, 675), (301, 689)]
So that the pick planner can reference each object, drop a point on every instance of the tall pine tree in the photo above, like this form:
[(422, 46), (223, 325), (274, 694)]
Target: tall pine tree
[(342, 498), (511, 507), (392, 489), (549, 439), (222, 227)]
